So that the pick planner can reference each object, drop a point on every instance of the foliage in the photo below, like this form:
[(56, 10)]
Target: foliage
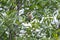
[(15, 24)]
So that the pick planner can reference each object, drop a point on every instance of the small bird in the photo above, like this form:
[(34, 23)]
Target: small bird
[(29, 16)]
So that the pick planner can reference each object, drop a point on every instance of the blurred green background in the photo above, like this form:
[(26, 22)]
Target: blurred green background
[(15, 24)]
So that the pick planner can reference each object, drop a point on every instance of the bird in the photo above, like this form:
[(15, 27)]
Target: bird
[(29, 16)]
